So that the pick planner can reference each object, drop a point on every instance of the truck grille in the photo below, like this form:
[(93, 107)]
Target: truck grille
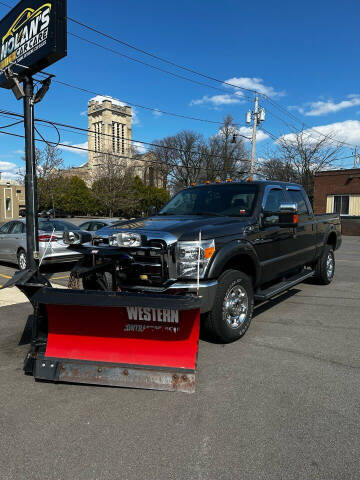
[(149, 268)]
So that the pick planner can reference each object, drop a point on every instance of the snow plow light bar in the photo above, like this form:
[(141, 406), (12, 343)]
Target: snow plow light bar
[(111, 338)]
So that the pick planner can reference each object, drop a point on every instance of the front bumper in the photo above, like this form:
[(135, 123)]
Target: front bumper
[(61, 258), (207, 291)]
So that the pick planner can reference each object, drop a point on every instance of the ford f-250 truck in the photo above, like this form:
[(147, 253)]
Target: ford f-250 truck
[(232, 244)]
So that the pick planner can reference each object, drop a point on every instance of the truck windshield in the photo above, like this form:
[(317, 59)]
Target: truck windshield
[(235, 200)]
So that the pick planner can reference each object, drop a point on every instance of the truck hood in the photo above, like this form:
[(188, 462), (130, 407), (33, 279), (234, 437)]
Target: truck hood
[(185, 227)]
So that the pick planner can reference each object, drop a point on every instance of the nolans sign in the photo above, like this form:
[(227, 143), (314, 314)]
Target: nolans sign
[(33, 35)]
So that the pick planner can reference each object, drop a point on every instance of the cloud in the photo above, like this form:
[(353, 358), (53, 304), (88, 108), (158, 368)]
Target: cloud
[(101, 98), (348, 131), (140, 147), (157, 113), (237, 96), (135, 116), (84, 113), (254, 83), (321, 107), (247, 132), (72, 148), (217, 100), (19, 152), (9, 170)]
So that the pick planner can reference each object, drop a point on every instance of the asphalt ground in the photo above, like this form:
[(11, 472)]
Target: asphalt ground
[(281, 403)]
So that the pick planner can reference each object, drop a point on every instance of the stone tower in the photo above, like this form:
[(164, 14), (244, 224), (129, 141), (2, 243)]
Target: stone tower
[(110, 130)]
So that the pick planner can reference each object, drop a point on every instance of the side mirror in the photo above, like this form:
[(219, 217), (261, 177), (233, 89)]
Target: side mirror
[(77, 237), (288, 215), (152, 210)]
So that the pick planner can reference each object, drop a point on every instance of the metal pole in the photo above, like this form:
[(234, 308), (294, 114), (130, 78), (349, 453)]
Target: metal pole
[(356, 158), (32, 243), (256, 111)]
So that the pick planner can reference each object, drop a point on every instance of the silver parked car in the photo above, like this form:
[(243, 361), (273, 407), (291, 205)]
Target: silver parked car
[(51, 246), (93, 226)]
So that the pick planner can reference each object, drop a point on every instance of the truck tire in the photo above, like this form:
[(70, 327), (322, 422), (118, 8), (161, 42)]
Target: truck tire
[(99, 282), (233, 307), (325, 266), (22, 259)]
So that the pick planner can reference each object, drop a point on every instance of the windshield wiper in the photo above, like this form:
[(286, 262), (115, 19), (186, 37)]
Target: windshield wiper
[(212, 214)]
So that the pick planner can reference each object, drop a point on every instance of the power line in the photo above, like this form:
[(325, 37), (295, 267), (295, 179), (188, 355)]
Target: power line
[(275, 104), (111, 50), (166, 147), (136, 105), (162, 59), (129, 45)]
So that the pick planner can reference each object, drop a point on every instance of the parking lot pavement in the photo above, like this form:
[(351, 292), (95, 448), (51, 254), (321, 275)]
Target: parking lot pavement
[(281, 403)]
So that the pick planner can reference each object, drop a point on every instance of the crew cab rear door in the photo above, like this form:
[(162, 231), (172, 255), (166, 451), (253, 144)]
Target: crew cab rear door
[(304, 243), (274, 245)]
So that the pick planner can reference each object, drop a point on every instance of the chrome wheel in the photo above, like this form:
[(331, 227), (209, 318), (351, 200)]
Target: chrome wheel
[(236, 306), (22, 261), (330, 265)]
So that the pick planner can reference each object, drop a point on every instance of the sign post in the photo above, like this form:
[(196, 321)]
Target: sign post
[(33, 35), (32, 243)]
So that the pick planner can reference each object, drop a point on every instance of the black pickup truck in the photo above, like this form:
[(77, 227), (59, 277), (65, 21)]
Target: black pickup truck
[(232, 244)]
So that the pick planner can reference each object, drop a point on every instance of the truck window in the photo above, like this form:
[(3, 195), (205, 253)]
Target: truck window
[(274, 199), (228, 200), (297, 196)]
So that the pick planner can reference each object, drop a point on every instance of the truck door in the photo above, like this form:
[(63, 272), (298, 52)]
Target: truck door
[(273, 244), (304, 242)]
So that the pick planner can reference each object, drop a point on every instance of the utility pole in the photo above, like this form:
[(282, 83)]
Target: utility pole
[(32, 243), (356, 157), (257, 116), (253, 141)]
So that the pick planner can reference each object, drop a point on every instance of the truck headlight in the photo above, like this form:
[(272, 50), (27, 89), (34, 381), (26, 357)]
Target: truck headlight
[(194, 257), (125, 239)]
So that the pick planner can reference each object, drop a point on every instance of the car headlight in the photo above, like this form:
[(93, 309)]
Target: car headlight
[(194, 257), (125, 239)]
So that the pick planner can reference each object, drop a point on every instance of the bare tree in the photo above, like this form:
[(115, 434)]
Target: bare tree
[(49, 163), (111, 184), (277, 169), (180, 158), (300, 156), (226, 155), (187, 157)]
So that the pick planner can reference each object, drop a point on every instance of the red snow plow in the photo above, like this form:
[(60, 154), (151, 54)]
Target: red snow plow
[(111, 338)]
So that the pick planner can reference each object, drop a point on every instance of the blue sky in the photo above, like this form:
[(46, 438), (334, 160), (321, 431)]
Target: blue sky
[(304, 55)]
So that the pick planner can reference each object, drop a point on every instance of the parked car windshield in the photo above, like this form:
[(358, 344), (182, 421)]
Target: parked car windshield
[(59, 225), (218, 200)]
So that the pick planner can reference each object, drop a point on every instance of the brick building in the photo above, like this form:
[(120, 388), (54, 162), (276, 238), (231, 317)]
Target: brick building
[(12, 199), (338, 191)]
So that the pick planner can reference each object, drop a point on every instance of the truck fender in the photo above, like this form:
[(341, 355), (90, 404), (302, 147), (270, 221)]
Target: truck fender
[(230, 251), (330, 232)]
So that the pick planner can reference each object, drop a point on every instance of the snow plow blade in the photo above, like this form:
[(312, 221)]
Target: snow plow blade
[(121, 339)]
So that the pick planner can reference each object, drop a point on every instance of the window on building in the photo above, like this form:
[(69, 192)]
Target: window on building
[(118, 136), (341, 204), (8, 204), (98, 136), (18, 191)]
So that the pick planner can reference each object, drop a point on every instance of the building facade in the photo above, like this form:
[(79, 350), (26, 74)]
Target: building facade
[(12, 199), (110, 144), (338, 191)]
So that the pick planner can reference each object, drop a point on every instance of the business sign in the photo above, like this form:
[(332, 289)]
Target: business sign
[(33, 35)]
